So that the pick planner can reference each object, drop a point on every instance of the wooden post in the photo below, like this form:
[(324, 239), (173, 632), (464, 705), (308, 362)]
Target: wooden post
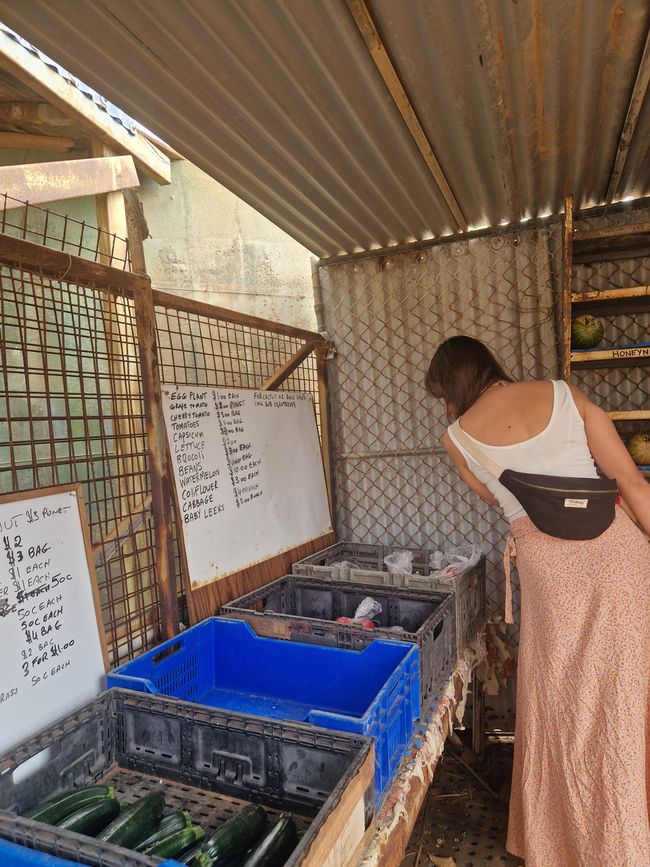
[(567, 287), (145, 315), (323, 402)]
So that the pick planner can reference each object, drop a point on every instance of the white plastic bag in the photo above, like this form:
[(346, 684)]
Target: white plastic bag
[(452, 561), (368, 609), (399, 562)]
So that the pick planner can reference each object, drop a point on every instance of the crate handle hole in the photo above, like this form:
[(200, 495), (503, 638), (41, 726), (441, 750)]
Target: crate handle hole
[(168, 651), (34, 764), (438, 629)]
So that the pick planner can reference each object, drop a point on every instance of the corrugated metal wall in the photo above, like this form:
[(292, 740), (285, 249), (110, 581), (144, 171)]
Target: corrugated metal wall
[(386, 315)]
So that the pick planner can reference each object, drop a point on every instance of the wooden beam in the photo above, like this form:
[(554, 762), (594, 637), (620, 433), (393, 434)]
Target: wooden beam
[(111, 215), (567, 287), (288, 367), (64, 95), (387, 71), (637, 99), (200, 308), (33, 113), (60, 265), (53, 143), (37, 183)]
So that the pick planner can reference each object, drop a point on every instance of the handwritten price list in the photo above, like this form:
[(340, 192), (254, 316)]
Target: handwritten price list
[(34, 597), (248, 475), (44, 624)]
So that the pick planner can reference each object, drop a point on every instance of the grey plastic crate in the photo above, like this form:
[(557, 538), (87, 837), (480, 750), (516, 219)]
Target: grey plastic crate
[(468, 587), (206, 761), (306, 609)]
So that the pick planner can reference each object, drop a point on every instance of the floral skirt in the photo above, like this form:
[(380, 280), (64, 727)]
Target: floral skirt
[(581, 774)]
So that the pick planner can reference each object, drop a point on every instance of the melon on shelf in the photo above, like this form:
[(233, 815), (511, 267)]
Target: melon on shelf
[(586, 331), (639, 448)]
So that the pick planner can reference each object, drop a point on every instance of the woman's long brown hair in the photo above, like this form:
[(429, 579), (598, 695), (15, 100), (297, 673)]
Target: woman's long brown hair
[(461, 369)]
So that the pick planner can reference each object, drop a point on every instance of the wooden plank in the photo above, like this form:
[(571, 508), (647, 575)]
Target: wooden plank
[(111, 217), (37, 183), (56, 144), (387, 71), (64, 95), (342, 838), (620, 354), (603, 233), (610, 294), (325, 432), (284, 372), (158, 465), (635, 104), (200, 308), (34, 113), (629, 415), (60, 265), (567, 285)]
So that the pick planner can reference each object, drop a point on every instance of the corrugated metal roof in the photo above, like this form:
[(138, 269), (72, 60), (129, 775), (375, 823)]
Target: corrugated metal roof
[(522, 101), (100, 101)]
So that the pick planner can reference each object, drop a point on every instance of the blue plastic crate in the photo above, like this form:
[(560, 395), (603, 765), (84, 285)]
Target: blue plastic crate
[(222, 663), (13, 855)]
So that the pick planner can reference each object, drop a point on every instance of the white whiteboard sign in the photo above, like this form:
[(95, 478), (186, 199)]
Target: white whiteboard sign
[(53, 658), (248, 473)]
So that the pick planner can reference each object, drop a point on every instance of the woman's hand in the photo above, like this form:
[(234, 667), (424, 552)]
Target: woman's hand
[(613, 458)]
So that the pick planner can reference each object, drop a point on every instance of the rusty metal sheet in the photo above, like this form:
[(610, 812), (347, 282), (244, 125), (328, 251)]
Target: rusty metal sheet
[(281, 102)]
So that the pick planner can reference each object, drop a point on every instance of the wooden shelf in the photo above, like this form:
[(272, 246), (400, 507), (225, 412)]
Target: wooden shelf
[(614, 242), (613, 357), (629, 415), (612, 302)]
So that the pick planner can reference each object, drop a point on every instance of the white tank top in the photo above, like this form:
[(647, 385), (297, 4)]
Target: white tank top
[(559, 450)]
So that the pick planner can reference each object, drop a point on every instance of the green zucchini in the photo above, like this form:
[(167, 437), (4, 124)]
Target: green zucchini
[(175, 821), (176, 843), (276, 847), (55, 809), (92, 818), (236, 835), (135, 822), (195, 858)]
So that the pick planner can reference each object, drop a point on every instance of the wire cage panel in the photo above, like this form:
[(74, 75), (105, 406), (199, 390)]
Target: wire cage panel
[(72, 411)]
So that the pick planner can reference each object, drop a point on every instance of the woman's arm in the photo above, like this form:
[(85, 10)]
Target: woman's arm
[(613, 458), (465, 473)]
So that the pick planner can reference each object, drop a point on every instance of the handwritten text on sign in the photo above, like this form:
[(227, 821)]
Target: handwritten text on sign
[(248, 473), (52, 654)]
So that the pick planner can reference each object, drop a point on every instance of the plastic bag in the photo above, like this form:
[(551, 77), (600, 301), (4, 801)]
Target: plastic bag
[(399, 562), (367, 609), (345, 564), (453, 561)]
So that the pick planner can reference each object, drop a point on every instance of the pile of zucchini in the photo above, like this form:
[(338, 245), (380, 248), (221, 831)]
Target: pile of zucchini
[(242, 841)]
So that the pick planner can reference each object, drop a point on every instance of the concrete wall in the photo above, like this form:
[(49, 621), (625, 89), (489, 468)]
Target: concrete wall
[(208, 245)]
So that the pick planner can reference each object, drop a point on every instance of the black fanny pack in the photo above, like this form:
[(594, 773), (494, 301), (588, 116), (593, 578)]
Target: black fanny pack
[(561, 506)]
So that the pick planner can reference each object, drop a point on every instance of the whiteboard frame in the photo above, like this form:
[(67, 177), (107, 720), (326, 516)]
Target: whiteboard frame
[(178, 516), (76, 489)]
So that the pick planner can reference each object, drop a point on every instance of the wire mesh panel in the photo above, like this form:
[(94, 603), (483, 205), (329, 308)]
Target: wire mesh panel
[(62, 232), (71, 410)]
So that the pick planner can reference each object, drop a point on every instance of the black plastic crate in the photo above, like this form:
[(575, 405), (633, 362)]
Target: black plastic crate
[(369, 568), (305, 609), (206, 761)]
